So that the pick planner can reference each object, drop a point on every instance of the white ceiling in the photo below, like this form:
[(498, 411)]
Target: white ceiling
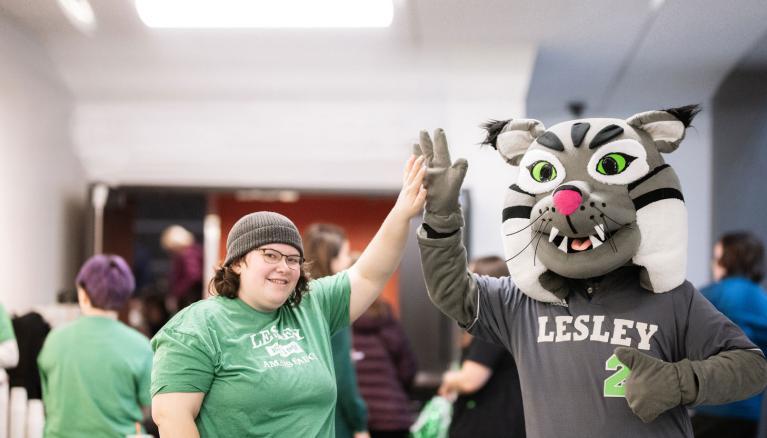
[(430, 43), (146, 99), (638, 59), (599, 51)]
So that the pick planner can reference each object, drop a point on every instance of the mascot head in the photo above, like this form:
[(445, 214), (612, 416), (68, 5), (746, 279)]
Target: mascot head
[(593, 195)]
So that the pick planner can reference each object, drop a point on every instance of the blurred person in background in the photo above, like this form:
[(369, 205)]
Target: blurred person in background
[(256, 359), (385, 371), (327, 253), (153, 312), (737, 268), (489, 399), (185, 277), (95, 371)]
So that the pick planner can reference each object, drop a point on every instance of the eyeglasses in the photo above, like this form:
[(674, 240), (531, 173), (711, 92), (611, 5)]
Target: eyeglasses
[(272, 256)]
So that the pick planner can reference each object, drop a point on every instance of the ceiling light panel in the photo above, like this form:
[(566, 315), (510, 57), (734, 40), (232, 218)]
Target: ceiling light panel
[(265, 13), (80, 14)]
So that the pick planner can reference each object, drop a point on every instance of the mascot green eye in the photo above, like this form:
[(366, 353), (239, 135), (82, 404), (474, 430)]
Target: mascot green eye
[(614, 163), (542, 171)]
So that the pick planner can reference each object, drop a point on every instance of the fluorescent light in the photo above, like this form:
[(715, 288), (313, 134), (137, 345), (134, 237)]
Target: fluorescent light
[(80, 14), (656, 4), (264, 13)]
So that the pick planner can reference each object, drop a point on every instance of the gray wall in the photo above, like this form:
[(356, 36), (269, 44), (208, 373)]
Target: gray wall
[(740, 149)]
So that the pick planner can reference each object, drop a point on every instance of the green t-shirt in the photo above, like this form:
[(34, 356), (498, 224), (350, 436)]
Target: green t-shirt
[(95, 373), (263, 373), (6, 328)]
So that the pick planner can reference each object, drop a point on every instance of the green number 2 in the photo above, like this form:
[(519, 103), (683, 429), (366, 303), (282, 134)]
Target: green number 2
[(614, 385)]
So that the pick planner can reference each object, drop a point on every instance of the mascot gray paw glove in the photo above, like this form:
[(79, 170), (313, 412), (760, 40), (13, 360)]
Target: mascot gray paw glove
[(655, 386), (443, 183)]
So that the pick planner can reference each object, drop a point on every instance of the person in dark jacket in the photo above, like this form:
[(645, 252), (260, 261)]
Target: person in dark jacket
[(185, 276), (385, 371), (737, 268), (489, 398)]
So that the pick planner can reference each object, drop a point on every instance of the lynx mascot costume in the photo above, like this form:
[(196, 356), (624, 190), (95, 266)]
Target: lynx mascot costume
[(609, 338)]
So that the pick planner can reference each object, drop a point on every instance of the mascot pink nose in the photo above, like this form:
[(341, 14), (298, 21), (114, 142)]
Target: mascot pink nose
[(567, 201)]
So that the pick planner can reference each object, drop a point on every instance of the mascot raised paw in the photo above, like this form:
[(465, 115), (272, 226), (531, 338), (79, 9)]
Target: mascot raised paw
[(608, 335)]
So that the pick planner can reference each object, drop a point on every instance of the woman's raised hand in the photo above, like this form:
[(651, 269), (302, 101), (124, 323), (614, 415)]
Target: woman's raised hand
[(412, 197)]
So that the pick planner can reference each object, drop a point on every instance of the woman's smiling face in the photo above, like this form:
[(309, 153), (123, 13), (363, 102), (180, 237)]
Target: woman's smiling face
[(264, 286)]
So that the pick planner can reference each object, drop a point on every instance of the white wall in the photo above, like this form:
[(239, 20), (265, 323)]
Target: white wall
[(341, 129), (488, 177), (327, 139), (325, 145), (739, 155), (42, 185)]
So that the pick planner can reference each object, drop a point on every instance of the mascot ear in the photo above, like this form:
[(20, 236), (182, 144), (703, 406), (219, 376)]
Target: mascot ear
[(511, 138), (666, 127)]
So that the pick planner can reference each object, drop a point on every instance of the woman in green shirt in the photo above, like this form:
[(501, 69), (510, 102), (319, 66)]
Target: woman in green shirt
[(256, 360)]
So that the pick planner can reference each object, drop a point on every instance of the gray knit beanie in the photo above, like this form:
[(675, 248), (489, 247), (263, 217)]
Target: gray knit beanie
[(257, 229)]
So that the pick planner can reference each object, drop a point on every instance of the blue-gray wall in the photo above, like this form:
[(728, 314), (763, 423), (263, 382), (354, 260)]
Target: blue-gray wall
[(740, 148)]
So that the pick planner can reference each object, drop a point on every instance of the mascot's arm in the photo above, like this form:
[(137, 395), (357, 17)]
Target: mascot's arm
[(655, 386), (451, 287)]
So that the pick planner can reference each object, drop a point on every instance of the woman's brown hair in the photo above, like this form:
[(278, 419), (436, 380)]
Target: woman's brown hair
[(226, 282), (322, 244)]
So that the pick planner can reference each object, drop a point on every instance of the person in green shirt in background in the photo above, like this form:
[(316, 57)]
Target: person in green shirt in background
[(9, 350), (256, 360), (95, 371), (328, 253)]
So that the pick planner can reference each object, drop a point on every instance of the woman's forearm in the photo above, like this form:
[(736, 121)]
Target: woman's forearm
[(381, 257), (378, 262)]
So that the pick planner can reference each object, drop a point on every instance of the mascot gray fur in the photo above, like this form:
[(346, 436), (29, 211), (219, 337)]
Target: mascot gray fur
[(594, 208), (608, 183)]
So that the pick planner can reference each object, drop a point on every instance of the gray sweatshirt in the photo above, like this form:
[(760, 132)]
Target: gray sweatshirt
[(570, 379), (571, 382)]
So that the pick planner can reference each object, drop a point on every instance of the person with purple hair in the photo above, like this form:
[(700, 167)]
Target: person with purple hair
[(95, 371)]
